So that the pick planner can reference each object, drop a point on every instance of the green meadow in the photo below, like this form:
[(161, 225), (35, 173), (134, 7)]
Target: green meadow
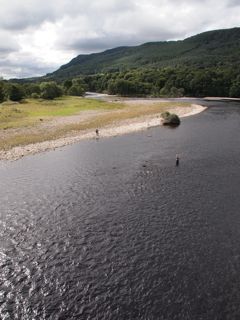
[(25, 123), (30, 111)]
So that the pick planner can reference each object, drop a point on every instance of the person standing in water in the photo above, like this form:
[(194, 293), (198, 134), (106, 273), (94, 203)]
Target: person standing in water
[(177, 160), (97, 133)]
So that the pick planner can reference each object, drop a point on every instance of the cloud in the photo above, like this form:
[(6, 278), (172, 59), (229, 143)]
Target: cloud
[(19, 15), (23, 65), (38, 36), (233, 3), (7, 43)]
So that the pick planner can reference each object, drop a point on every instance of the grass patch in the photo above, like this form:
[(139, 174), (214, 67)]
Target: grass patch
[(11, 116), (27, 114), (66, 106)]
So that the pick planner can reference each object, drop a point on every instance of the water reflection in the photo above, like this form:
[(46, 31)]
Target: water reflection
[(113, 230)]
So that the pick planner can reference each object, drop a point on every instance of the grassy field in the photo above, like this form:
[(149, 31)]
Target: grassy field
[(20, 122), (28, 112)]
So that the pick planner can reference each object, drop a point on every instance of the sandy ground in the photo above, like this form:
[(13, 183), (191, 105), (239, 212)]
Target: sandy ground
[(118, 128), (222, 99)]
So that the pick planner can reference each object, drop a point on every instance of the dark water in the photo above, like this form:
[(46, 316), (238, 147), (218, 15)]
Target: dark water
[(113, 230)]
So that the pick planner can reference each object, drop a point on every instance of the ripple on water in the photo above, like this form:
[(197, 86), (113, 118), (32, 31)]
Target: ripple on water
[(113, 230)]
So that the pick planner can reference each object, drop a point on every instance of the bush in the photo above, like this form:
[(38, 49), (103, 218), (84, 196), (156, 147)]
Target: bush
[(173, 92), (164, 92), (76, 90), (2, 94), (165, 114), (31, 88), (170, 119), (67, 85), (234, 91), (128, 88), (50, 90), (15, 92), (34, 95)]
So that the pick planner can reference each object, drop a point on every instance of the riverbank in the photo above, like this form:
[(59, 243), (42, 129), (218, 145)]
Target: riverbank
[(226, 99), (62, 131)]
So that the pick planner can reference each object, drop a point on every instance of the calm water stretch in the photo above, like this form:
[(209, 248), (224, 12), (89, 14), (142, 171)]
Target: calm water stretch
[(111, 229)]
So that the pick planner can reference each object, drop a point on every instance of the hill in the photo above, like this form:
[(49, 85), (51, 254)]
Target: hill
[(219, 48)]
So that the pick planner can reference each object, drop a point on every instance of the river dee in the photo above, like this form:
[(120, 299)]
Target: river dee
[(111, 229)]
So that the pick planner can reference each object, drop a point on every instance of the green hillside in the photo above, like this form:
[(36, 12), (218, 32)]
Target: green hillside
[(220, 48), (207, 64)]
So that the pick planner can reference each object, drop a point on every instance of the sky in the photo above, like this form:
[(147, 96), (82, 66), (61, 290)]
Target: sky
[(38, 36)]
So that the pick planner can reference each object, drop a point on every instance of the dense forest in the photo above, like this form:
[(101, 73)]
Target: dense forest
[(207, 64), (48, 90), (213, 49), (171, 82)]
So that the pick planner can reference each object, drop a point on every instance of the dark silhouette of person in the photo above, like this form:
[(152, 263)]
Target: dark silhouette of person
[(97, 132), (177, 160)]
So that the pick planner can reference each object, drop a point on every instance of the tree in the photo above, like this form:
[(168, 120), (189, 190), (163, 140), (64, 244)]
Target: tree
[(15, 92), (50, 90), (125, 87), (234, 91), (176, 92), (76, 90), (2, 93), (32, 89), (75, 87), (67, 85), (164, 91)]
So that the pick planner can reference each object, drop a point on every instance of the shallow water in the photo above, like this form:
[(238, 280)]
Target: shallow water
[(111, 229)]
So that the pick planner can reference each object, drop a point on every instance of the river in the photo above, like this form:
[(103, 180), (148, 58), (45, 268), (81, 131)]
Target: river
[(111, 229)]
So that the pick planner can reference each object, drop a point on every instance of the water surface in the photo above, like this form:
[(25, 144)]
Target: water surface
[(111, 229)]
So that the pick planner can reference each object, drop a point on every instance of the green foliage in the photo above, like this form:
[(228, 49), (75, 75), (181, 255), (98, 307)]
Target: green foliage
[(75, 87), (218, 49), (235, 88), (15, 92), (67, 84), (172, 92), (79, 82), (128, 87), (170, 119), (75, 90), (2, 93), (235, 91), (35, 95), (50, 90), (32, 88), (122, 87), (204, 65), (164, 92), (169, 82), (165, 114)]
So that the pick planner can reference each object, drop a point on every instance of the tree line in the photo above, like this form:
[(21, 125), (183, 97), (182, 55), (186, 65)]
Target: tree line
[(15, 91), (164, 82), (169, 81)]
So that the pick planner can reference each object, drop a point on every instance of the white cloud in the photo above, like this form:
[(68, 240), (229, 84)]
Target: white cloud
[(38, 36)]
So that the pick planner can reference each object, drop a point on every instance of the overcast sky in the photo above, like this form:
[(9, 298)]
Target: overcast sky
[(38, 36)]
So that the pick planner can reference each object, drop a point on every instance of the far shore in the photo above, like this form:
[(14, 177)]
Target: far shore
[(119, 126), (222, 99)]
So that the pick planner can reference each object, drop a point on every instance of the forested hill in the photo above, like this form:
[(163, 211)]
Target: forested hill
[(207, 64), (218, 49)]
